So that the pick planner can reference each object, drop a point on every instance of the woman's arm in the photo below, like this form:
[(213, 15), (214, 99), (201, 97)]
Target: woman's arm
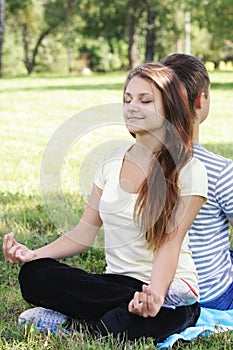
[(69, 244), (166, 260)]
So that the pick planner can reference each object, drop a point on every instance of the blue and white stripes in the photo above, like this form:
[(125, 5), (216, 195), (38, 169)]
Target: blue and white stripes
[(209, 234)]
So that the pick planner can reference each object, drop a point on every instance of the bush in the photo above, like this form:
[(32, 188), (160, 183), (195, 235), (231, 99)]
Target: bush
[(104, 56)]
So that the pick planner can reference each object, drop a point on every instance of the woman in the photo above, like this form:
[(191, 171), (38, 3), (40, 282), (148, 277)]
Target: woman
[(146, 195)]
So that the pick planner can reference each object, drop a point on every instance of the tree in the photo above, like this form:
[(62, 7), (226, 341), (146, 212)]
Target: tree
[(216, 17), (122, 22), (150, 34), (134, 13), (2, 19), (36, 20), (105, 31)]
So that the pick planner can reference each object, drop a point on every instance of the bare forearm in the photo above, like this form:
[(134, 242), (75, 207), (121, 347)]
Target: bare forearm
[(71, 243), (163, 271), (60, 248), (166, 260)]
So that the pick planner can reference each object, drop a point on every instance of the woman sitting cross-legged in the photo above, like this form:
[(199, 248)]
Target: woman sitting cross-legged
[(146, 195)]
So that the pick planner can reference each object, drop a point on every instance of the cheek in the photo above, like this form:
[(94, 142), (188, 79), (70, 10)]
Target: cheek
[(125, 111)]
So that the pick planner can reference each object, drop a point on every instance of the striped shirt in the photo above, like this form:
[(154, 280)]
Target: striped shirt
[(209, 234)]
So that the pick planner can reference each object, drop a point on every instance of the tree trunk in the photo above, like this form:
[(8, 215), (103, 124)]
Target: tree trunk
[(187, 33), (2, 20), (150, 35), (132, 32), (31, 62), (27, 61)]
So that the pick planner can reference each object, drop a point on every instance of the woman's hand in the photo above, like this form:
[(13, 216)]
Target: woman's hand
[(145, 303), (15, 252)]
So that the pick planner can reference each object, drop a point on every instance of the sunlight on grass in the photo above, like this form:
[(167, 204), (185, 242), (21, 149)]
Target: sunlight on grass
[(32, 109)]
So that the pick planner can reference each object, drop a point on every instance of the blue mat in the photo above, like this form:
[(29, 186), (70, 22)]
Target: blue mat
[(210, 321)]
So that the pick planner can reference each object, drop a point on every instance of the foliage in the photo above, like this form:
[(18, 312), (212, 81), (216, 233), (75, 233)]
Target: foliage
[(36, 20), (104, 56), (103, 18), (216, 18), (214, 15), (2, 28), (52, 35)]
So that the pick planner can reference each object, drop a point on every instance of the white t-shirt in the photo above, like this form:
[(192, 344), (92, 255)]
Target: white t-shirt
[(127, 251)]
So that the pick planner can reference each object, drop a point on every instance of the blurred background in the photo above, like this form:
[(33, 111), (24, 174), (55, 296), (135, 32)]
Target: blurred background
[(83, 36)]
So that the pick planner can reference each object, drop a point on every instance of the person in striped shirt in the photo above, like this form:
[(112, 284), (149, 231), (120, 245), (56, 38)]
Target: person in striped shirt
[(210, 231)]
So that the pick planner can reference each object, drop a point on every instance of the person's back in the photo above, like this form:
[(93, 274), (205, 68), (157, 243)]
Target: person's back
[(209, 234)]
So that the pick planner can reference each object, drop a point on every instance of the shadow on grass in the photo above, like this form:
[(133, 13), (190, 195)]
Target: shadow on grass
[(76, 87), (27, 213), (224, 149), (222, 86)]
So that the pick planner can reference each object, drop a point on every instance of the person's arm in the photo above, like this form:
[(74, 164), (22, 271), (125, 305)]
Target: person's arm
[(148, 303), (69, 244), (223, 191)]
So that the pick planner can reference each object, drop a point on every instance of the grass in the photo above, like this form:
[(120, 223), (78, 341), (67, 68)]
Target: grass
[(32, 110)]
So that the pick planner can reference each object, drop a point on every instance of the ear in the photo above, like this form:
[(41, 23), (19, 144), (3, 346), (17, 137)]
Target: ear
[(199, 100)]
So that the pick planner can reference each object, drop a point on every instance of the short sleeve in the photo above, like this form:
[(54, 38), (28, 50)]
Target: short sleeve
[(193, 179)]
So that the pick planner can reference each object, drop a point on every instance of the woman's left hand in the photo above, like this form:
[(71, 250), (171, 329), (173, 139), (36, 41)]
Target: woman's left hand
[(145, 303)]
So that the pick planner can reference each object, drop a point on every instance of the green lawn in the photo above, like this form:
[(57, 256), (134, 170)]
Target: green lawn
[(32, 110)]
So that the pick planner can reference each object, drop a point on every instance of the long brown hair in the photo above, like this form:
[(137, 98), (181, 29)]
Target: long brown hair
[(159, 193)]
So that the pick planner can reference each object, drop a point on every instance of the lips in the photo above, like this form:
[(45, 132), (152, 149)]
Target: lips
[(135, 118)]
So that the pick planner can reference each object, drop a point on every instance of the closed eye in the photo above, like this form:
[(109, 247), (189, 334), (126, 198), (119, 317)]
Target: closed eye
[(147, 101)]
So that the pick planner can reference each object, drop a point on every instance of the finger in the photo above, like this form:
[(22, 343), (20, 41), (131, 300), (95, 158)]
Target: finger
[(144, 299), (154, 303), (18, 252), (130, 306), (152, 308), (10, 241), (145, 304), (151, 304), (144, 288), (136, 300), (132, 309), (11, 257), (7, 243), (12, 252)]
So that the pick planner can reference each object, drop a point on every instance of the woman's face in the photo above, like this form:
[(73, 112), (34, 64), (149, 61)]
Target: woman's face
[(143, 107)]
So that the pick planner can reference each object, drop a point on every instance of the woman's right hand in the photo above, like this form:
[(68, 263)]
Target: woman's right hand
[(145, 303), (15, 252)]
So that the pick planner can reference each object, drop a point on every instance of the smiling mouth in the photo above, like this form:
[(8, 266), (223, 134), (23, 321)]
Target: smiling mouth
[(135, 118)]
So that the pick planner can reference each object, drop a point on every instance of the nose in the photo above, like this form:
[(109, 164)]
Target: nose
[(132, 106)]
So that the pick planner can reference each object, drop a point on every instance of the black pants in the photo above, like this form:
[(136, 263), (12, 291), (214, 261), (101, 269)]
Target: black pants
[(99, 301)]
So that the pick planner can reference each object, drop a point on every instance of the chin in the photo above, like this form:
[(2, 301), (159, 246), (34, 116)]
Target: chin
[(134, 130)]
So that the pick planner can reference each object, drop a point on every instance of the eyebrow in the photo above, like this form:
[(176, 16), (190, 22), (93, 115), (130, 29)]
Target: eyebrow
[(141, 94)]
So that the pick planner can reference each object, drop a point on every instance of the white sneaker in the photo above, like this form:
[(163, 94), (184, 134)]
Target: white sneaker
[(44, 319)]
